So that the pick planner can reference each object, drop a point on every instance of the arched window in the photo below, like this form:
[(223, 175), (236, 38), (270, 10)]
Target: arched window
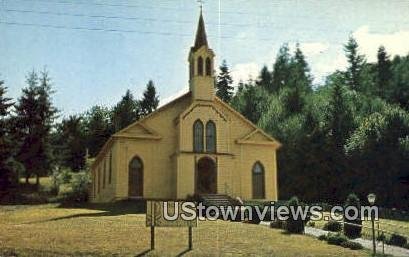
[(198, 136), (99, 179), (210, 137), (110, 168), (208, 67), (258, 181), (200, 66), (135, 179)]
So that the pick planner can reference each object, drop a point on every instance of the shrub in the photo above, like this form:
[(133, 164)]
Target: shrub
[(311, 224), (381, 237), (322, 237), (277, 224), (294, 225), (333, 226), (79, 186), (336, 239), (64, 176), (397, 240), (352, 245), (352, 227), (406, 246)]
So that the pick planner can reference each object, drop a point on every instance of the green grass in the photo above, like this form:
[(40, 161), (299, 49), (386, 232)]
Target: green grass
[(119, 230)]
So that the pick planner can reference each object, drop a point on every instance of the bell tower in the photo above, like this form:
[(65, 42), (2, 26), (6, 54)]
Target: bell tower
[(201, 61)]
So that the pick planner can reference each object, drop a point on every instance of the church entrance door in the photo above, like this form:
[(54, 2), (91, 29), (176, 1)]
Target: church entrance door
[(206, 176)]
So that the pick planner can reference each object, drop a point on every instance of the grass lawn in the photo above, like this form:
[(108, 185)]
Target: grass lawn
[(115, 230)]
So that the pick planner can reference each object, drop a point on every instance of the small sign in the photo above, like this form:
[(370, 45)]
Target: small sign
[(162, 214)]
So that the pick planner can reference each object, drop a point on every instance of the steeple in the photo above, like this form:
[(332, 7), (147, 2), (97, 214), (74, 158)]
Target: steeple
[(201, 74), (201, 38)]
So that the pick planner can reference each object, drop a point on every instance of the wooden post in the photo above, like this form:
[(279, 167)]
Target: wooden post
[(152, 237), (190, 238)]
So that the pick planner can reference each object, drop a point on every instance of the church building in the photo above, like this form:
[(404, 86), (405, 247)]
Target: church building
[(196, 144)]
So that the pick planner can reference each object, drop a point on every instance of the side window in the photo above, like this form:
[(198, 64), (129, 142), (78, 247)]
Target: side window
[(110, 168), (258, 181), (198, 136), (104, 171)]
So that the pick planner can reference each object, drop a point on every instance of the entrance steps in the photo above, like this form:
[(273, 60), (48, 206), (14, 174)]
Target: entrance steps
[(217, 200)]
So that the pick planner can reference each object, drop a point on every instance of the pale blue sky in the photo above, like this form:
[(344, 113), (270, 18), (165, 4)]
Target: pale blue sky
[(95, 50)]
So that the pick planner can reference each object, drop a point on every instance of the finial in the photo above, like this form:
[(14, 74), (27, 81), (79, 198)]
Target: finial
[(201, 2)]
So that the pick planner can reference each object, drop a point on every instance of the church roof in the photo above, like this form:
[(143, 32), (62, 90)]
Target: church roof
[(201, 38)]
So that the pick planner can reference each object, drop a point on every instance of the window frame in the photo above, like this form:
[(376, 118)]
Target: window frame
[(211, 139), (196, 147)]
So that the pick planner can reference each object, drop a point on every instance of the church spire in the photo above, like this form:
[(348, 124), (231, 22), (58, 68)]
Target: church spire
[(201, 61), (201, 38)]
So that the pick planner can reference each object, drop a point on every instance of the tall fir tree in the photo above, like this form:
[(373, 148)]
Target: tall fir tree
[(72, 133), (383, 73), (35, 116), (98, 128), (125, 112), (7, 174), (281, 70), (339, 117), (224, 88), (300, 71), (355, 64), (265, 79), (150, 100)]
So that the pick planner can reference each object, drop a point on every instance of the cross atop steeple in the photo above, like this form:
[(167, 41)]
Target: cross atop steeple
[(201, 38), (201, 61), (201, 2)]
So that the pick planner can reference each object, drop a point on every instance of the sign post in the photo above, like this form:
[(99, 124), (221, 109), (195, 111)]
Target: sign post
[(190, 239), (155, 217)]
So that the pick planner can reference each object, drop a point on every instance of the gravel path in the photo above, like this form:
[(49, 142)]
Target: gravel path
[(389, 249)]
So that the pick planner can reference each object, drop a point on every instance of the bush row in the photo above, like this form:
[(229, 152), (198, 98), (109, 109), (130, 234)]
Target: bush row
[(341, 240)]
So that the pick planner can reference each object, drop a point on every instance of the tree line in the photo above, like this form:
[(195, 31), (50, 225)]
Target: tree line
[(33, 142), (350, 134)]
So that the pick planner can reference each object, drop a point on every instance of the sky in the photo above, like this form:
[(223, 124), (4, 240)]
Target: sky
[(95, 50)]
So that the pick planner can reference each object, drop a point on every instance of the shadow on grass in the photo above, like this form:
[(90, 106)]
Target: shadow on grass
[(106, 209), (143, 253), (183, 252)]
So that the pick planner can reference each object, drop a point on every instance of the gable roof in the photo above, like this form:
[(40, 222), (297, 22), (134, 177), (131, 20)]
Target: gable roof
[(143, 131)]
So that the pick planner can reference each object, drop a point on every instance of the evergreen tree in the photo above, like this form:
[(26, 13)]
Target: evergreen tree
[(98, 128), (300, 72), (265, 79), (224, 89), (35, 116), (125, 112), (384, 74), (281, 69), (7, 175), (150, 100), (251, 101), (340, 120), (356, 61), (399, 92), (72, 133)]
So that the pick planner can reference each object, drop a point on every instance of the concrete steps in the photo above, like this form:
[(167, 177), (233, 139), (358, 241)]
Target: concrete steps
[(217, 200)]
